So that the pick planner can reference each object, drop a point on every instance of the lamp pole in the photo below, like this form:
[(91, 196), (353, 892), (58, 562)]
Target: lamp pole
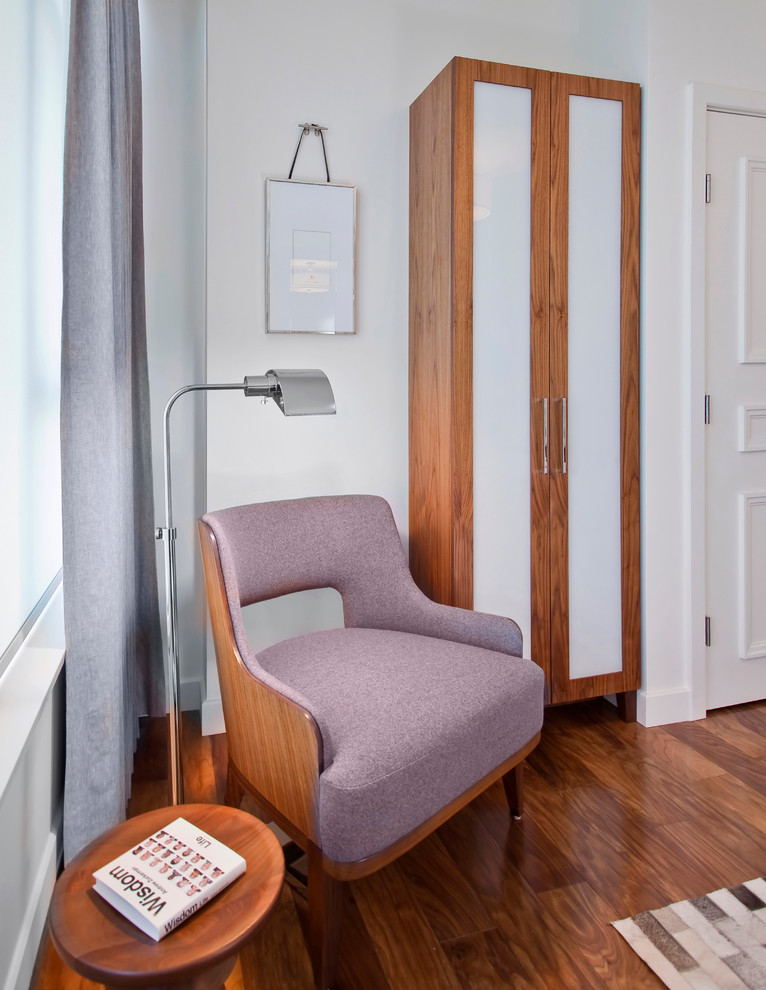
[(297, 393), (167, 534)]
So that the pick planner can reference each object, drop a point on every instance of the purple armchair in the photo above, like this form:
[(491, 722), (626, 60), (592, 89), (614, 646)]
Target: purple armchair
[(360, 741)]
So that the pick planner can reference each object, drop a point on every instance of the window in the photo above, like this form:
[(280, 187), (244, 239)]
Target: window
[(33, 47)]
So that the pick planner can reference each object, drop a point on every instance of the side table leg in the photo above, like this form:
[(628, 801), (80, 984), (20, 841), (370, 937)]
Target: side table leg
[(210, 979)]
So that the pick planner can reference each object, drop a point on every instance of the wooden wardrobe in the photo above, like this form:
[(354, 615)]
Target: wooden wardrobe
[(524, 331)]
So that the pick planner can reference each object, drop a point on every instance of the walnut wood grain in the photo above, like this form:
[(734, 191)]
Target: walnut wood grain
[(277, 958), (325, 897), (441, 361), (432, 369), (364, 867), (618, 819), (461, 563), (484, 959), (629, 388), (558, 573), (98, 942), (441, 322), (563, 687), (261, 750), (400, 948), (627, 705), (539, 384), (468, 72), (274, 744), (449, 903), (275, 756), (511, 768), (513, 782)]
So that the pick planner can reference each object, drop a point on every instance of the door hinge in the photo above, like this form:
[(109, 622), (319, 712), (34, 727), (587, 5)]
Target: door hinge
[(707, 188), (707, 630), (707, 410)]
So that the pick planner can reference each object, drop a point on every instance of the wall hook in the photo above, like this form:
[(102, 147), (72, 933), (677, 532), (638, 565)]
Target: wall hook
[(318, 130)]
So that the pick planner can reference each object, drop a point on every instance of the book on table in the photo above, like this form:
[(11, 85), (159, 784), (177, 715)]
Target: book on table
[(167, 877)]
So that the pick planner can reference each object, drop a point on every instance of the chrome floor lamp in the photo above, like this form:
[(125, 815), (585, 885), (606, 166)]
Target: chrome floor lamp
[(297, 392)]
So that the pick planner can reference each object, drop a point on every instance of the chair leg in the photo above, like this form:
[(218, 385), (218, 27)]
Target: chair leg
[(513, 782), (234, 790), (325, 897)]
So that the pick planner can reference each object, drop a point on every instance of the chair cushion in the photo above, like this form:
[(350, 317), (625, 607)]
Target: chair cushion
[(408, 723)]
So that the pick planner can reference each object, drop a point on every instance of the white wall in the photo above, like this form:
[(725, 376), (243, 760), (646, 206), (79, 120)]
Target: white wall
[(721, 44), (355, 66)]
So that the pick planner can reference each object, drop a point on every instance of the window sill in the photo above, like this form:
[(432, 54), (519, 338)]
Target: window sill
[(27, 683)]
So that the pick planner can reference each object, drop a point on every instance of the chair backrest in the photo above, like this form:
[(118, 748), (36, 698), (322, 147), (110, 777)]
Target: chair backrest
[(274, 743), (346, 542)]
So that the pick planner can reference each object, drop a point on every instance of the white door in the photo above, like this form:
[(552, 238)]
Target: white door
[(735, 363)]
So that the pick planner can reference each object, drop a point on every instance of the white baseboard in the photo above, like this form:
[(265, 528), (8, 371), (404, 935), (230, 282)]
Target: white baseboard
[(212, 717), (666, 707), (191, 696), (22, 964), (653, 708)]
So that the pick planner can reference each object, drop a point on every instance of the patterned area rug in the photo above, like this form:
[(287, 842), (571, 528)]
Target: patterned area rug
[(711, 942)]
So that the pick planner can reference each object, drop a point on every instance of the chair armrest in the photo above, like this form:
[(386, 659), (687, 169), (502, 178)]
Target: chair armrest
[(490, 632), (402, 607), (381, 592)]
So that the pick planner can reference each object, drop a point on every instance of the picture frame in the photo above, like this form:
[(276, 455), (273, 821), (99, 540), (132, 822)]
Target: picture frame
[(310, 257)]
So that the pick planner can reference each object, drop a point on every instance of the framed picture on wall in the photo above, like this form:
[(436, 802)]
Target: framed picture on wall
[(310, 257)]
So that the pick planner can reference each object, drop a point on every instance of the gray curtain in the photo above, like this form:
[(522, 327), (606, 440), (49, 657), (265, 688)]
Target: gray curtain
[(114, 651)]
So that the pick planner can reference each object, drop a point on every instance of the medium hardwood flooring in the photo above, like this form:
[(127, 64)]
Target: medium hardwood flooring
[(618, 819)]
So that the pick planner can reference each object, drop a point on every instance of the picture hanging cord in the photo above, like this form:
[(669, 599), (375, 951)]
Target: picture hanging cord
[(305, 129)]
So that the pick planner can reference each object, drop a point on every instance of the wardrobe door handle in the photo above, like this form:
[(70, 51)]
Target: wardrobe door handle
[(564, 436), (545, 436)]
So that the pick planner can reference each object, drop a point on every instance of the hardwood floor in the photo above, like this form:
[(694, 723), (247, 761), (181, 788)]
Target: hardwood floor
[(618, 819)]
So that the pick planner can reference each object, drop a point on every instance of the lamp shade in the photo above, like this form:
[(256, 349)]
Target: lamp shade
[(297, 391)]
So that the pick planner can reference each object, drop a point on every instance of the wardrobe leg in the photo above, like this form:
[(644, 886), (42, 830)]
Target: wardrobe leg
[(626, 705), (513, 782), (325, 897)]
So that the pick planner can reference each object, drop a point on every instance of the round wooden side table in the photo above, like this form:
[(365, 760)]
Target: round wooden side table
[(100, 944)]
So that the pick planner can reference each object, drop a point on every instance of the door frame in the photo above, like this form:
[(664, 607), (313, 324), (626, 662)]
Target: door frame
[(701, 98)]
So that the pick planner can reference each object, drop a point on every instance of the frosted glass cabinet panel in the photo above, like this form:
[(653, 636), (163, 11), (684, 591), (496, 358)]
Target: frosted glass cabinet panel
[(593, 409), (501, 237), (524, 248)]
